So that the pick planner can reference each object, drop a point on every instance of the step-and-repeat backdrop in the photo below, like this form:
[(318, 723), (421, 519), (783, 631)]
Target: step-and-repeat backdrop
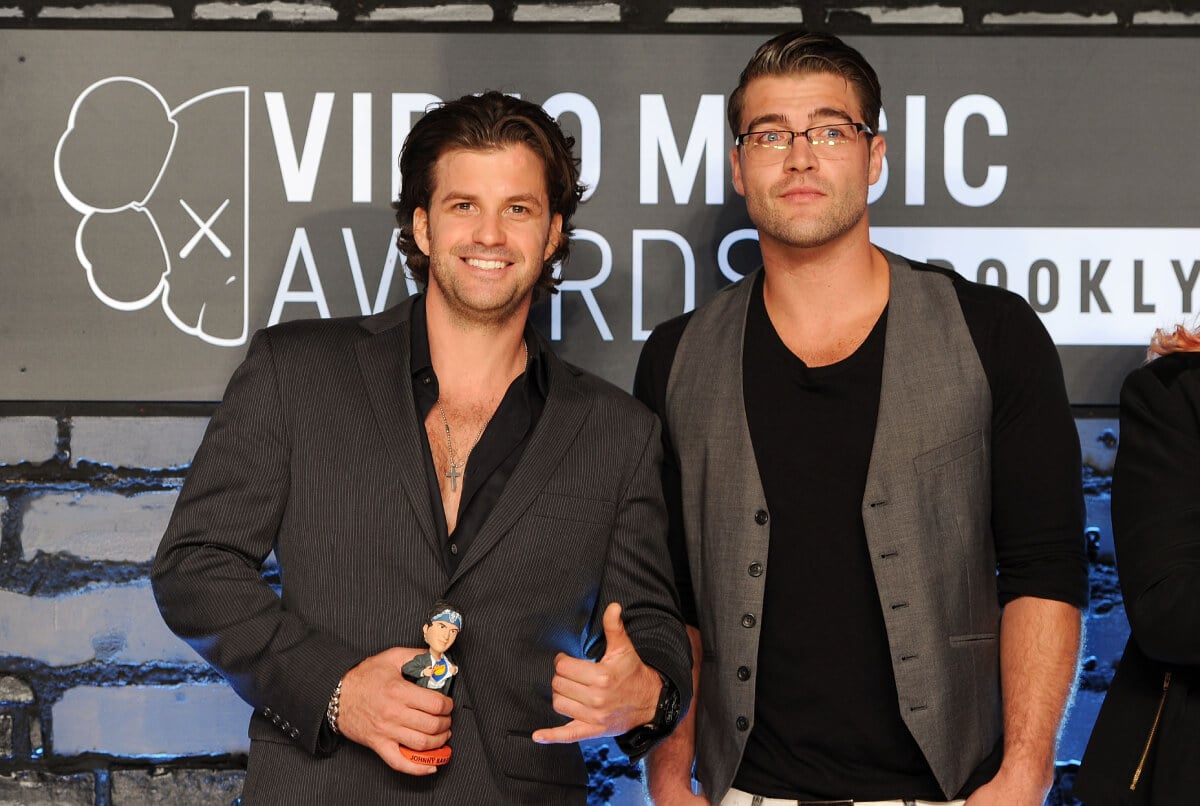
[(167, 194)]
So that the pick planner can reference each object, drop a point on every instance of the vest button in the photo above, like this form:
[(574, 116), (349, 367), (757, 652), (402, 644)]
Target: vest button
[(742, 723), (760, 517), (748, 620), (454, 549), (755, 569), (743, 673)]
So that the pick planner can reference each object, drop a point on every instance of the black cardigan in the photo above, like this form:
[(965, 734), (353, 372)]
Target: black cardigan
[(1149, 725)]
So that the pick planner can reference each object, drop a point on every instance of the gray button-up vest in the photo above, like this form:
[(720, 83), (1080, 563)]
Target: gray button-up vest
[(926, 509)]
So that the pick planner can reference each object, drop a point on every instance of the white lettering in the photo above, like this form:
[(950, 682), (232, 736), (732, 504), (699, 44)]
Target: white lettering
[(584, 288), (404, 106), (726, 244), (914, 150), (360, 168), (953, 166), (589, 134), (299, 250), (877, 190), (707, 138), (299, 173), (640, 236), (385, 281)]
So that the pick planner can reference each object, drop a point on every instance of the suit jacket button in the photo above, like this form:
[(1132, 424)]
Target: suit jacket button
[(755, 569), (743, 673), (749, 620), (295, 733), (760, 517), (742, 723)]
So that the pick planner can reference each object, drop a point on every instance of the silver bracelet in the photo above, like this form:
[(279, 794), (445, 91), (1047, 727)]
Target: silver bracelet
[(331, 711)]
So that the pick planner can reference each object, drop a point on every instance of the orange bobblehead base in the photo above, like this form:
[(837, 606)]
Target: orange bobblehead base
[(434, 758)]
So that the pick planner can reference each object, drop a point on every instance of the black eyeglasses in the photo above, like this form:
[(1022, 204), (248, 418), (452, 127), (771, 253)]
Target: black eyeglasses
[(828, 141)]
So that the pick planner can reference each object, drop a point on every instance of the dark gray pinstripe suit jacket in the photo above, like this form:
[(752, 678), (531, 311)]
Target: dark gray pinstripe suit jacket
[(316, 453)]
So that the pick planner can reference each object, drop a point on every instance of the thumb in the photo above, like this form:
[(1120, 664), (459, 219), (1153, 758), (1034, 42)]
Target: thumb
[(615, 637)]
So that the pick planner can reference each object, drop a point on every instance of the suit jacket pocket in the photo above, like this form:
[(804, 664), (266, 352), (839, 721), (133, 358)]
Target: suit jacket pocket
[(944, 454), (525, 760)]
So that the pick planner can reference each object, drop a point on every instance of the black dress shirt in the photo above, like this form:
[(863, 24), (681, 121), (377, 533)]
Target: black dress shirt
[(495, 456)]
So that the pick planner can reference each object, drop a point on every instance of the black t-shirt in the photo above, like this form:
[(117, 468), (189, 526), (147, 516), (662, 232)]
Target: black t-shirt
[(827, 720)]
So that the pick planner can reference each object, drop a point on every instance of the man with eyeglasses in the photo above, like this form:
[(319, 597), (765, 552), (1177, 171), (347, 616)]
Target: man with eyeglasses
[(874, 484)]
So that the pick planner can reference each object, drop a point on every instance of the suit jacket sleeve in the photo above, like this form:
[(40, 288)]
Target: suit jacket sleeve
[(638, 572), (1156, 512), (207, 574)]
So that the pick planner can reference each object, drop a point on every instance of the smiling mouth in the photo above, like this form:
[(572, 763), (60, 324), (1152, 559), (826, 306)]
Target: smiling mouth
[(488, 265)]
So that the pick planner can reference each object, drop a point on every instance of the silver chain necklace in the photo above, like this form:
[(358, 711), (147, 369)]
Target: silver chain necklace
[(454, 474)]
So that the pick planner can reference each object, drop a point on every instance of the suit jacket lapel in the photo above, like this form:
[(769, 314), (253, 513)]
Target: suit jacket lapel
[(566, 410), (384, 358)]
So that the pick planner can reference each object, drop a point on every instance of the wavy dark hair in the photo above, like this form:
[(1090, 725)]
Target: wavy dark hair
[(486, 122), (802, 52)]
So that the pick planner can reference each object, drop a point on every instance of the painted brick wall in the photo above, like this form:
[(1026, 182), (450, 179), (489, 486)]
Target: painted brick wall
[(99, 702)]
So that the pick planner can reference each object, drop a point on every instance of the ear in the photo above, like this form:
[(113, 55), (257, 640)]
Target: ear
[(875, 158), (735, 162), (420, 228), (554, 237)]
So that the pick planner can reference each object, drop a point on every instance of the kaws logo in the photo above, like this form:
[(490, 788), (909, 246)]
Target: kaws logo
[(161, 216)]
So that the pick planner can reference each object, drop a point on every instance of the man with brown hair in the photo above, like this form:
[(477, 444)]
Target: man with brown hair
[(874, 485), (438, 450)]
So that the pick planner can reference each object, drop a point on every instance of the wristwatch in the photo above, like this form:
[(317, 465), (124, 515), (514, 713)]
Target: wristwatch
[(638, 741)]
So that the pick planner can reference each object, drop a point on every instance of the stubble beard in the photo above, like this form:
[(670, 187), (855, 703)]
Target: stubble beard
[(471, 309), (773, 220)]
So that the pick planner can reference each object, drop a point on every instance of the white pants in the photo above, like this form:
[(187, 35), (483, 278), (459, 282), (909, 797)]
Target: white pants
[(737, 797)]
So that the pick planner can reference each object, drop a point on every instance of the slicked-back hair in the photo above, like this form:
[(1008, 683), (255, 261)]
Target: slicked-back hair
[(486, 122), (800, 53)]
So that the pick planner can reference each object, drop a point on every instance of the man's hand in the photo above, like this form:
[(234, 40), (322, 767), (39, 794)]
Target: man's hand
[(607, 698), (381, 710), (1005, 790)]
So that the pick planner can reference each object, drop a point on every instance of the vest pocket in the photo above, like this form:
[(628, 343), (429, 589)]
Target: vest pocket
[(973, 638), (944, 454)]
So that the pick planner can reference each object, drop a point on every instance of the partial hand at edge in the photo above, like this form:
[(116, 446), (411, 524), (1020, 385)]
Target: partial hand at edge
[(1010, 790), (381, 710), (606, 698)]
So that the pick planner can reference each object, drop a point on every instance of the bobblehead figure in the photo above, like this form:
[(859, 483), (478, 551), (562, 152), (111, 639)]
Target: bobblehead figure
[(434, 669)]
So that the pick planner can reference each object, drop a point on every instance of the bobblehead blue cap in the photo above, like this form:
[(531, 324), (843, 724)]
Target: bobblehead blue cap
[(451, 617)]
